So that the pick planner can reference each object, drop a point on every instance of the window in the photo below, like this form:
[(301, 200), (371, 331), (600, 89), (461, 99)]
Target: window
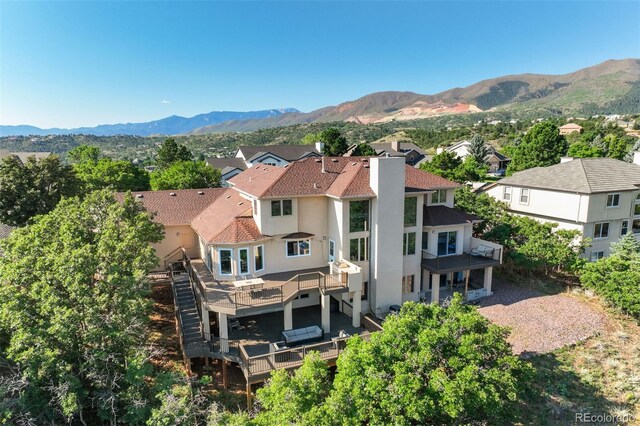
[(270, 163), (359, 216), (243, 261), (524, 196), (624, 229), (635, 227), (332, 250), (425, 241), (601, 230), (407, 284), (359, 249), (258, 258), (225, 261), (447, 242), (595, 255), (410, 207), (365, 291), (439, 197), (298, 248), (613, 200), (506, 193), (409, 243), (636, 207), (281, 208)]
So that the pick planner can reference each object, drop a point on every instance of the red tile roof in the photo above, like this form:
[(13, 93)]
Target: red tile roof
[(241, 230), (341, 177), (176, 207)]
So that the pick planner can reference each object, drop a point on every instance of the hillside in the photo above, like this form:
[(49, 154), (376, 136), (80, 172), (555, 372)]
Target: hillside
[(610, 87)]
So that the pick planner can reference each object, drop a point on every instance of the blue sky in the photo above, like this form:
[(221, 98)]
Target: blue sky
[(69, 64)]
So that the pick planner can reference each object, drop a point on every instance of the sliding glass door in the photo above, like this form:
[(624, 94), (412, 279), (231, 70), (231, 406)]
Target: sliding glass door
[(447, 243)]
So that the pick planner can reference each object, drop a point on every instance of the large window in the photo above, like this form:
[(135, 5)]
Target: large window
[(365, 291), (613, 200), (506, 193), (359, 216), (635, 227), (225, 261), (624, 229), (410, 211), (281, 208), (298, 248), (425, 240), (332, 250), (524, 196), (595, 255), (636, 207), (409, 243), (243, 261), (407, 284), (601, 230), (439, 197), (359, 249), (258, 258), (447, 242)]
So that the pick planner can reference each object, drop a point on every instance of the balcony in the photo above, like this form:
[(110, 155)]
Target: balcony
[(482, 254)]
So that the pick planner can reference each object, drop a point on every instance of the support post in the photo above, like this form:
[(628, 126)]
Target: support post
[(249, 397), (225, 382), (466, 285), (206, 325), (223, 332), (357, 308), (488, 278), (326, 313), (435, 288), (288, 316)]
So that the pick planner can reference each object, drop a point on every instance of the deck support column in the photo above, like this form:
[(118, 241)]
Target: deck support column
[(249, 397), (225, 382), (288, 316), (435, 288), (223, 332), (357, 308), (206, 325), (488, 278), (325, 300)]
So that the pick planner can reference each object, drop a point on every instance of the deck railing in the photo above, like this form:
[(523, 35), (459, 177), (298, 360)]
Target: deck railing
[(466, 259)]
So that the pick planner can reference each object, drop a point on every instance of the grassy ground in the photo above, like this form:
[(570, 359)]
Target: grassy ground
[(599, 375)]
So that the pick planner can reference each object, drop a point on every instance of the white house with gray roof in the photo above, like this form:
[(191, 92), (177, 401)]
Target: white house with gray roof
[(600, 197)]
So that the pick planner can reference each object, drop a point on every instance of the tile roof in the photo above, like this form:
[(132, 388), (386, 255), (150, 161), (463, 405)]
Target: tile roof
[(228, 219), (443, 215), (582, 175), (382, 147), (342, 177), (286, 152), (178, 209), (227, 164)]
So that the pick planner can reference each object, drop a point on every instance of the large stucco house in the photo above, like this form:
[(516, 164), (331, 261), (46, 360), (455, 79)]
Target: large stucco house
[(495, 159), (342, 236), (600, 197)]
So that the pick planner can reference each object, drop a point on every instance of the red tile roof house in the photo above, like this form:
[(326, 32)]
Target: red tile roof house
[(350, 234)]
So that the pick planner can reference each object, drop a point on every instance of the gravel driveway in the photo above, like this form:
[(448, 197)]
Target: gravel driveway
[(540, 323)]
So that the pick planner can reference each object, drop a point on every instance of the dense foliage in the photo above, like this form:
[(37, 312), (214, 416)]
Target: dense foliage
[(171, 152), (478, 149), (33, 188), (335, 144), (541, 146), (185, 175), (74, 304), (617, 277), (363, 150), (450, 166)]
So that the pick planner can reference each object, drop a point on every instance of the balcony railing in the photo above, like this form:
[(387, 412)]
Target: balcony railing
[(477, 257)]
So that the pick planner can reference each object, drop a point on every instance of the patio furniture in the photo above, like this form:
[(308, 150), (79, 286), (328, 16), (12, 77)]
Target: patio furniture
[(249, 284), (394, 309), (279, 347), (482, 251), (233, 324), (300, 336)]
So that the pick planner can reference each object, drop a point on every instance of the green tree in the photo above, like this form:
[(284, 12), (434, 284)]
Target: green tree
[(97, 172), (34, 187), (470, 171), (74, 300), (171, 152), (444, 164), (185, 175), (583, 150), (335, 144), (627, 247), (541, 146), (616, 147), (478, 149), (364, 150), (84, 153), (635, 148)]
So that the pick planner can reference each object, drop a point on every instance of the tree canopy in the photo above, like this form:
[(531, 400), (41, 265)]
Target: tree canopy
[(364, 150), (478, 149), (541, 146), (33, 188), (450, 166), (335, 144), (185, 175), (98, 172), (171, 152), (74, 303)]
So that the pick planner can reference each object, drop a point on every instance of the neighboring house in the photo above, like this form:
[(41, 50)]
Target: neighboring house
[(229, 167), (570, 128), (23, 156), (411, 152), (347, 235), (600, 197), (495, 160)]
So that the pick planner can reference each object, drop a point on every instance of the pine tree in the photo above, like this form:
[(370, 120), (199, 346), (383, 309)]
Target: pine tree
[(478, 149)]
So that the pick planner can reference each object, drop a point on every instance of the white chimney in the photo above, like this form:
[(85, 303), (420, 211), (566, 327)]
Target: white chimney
[(565, 159), (320, 147), (395, 145), (636, 157)]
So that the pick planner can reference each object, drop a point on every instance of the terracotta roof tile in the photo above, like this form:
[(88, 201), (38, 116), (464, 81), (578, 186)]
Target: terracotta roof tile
[(419, 180), (240, 230)]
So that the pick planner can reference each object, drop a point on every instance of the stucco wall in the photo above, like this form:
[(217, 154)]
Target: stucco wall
[(175, 237)]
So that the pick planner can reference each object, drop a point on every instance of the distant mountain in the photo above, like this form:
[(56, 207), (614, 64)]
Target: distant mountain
[(167, 126), (610, 87)]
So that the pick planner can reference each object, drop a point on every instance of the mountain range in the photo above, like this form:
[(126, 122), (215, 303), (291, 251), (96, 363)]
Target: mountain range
[(610, 87)]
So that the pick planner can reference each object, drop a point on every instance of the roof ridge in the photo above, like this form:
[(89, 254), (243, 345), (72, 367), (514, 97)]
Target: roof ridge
[(286, 170), (584, 172)]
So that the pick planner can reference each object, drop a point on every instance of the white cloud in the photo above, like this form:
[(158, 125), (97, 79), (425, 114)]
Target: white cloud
[(164, 101)]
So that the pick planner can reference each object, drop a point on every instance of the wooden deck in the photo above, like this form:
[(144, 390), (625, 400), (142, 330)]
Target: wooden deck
[(463, 262)]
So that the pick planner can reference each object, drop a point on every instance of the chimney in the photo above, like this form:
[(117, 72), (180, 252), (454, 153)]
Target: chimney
[(323, 170), (565, 159), (636, 157), (395, 145), (320, 147)]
